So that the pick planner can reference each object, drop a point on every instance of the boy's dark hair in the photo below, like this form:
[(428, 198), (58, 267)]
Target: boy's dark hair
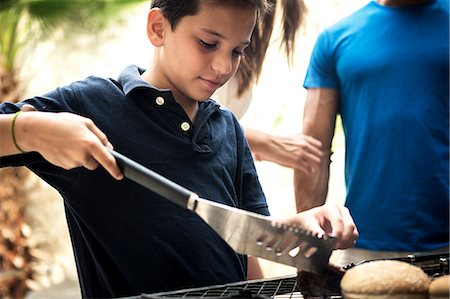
[(174, 10), (251, 66)]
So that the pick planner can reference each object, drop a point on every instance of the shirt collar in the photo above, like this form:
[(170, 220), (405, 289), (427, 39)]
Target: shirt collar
[(130, 80)]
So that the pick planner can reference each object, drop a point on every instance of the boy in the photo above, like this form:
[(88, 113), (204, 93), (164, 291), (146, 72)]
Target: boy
[(126, 239)]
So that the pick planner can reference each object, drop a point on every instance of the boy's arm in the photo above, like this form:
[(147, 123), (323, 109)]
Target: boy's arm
[(64, 139), (300, 152), (7, 146), (7, 123), (319, 122)]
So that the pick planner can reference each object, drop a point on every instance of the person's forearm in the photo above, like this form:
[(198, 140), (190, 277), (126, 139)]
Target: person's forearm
[(319, 119), (63, 139), (19, 131), (311, 188), (7, 146), (256, 139)]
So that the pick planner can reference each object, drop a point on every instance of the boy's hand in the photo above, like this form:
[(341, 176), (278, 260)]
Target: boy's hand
[(330, 220), (66, 140)]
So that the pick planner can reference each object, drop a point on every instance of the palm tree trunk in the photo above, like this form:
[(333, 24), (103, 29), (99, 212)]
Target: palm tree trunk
[(15, 257), (8, 86)]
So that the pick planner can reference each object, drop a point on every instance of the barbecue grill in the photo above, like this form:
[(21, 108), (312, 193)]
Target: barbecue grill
[(286, 287), (282, 288)]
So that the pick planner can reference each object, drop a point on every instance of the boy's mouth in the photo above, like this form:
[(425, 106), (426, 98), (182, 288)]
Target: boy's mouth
[(211, 84)]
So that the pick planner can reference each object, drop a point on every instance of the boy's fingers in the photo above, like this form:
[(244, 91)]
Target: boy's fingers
[(350, 232), (91, 164), (101, 154), (102, 136), (315, 227), (109, 145), (305, 220), (343, 227), (103, 157)]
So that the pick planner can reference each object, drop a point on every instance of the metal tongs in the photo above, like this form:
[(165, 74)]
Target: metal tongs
[(246, 232)]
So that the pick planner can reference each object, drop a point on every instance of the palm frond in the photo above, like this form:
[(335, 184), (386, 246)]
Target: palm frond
[(28, 20), (76, 14)]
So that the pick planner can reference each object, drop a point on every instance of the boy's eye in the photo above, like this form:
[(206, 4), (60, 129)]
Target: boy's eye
[(236, 53), (206, 45)]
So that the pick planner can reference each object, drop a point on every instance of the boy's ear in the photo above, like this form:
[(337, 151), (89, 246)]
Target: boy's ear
[(156, 24)]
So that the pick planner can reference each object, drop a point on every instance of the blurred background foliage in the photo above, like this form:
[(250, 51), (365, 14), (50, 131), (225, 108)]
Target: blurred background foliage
[(25, 22)]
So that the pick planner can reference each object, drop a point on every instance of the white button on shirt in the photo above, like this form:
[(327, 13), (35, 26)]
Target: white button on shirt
[(159, 101), (185, 126)]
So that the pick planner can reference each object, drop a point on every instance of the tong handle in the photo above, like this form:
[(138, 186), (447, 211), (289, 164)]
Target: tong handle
[(152, 181)]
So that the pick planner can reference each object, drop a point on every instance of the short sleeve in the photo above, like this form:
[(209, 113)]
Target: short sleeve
[(321, 71)]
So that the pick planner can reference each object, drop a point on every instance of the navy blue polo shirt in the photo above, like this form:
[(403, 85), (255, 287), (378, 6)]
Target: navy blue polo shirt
[(126, 239)]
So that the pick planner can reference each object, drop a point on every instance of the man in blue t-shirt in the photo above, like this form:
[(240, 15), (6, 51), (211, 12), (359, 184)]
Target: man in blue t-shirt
[(385, 71), (126, 239)]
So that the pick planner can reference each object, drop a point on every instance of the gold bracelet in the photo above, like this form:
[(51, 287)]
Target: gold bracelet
[(13, 135)]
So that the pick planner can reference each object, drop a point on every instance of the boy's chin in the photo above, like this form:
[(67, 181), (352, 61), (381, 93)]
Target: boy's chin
[(203, 97)]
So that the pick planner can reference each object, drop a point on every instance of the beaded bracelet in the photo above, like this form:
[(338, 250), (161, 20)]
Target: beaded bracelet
[(13, 135)]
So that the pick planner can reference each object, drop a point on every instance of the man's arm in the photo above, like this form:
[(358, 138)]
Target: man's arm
[(318, 121)]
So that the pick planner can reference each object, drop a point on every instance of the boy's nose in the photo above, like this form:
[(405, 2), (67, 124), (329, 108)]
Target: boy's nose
[(222, 64)]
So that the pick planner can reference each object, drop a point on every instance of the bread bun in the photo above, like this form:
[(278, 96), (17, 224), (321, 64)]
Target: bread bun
[(440, 287), (385, 279)]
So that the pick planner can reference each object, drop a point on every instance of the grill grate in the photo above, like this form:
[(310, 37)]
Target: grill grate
[(286, 287), (277, 288)]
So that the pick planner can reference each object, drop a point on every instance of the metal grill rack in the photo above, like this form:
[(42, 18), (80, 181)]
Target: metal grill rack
[(286, 287), (277, 288)]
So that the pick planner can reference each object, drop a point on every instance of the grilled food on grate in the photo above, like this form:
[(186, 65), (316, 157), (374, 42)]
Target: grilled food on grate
[(320, 285), (385, 279)]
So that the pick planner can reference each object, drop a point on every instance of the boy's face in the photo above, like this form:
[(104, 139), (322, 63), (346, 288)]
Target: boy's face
[(203, 51)]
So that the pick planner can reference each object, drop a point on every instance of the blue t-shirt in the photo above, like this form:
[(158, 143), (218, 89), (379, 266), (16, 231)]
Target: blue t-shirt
[(127, 240), (391, 68)]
